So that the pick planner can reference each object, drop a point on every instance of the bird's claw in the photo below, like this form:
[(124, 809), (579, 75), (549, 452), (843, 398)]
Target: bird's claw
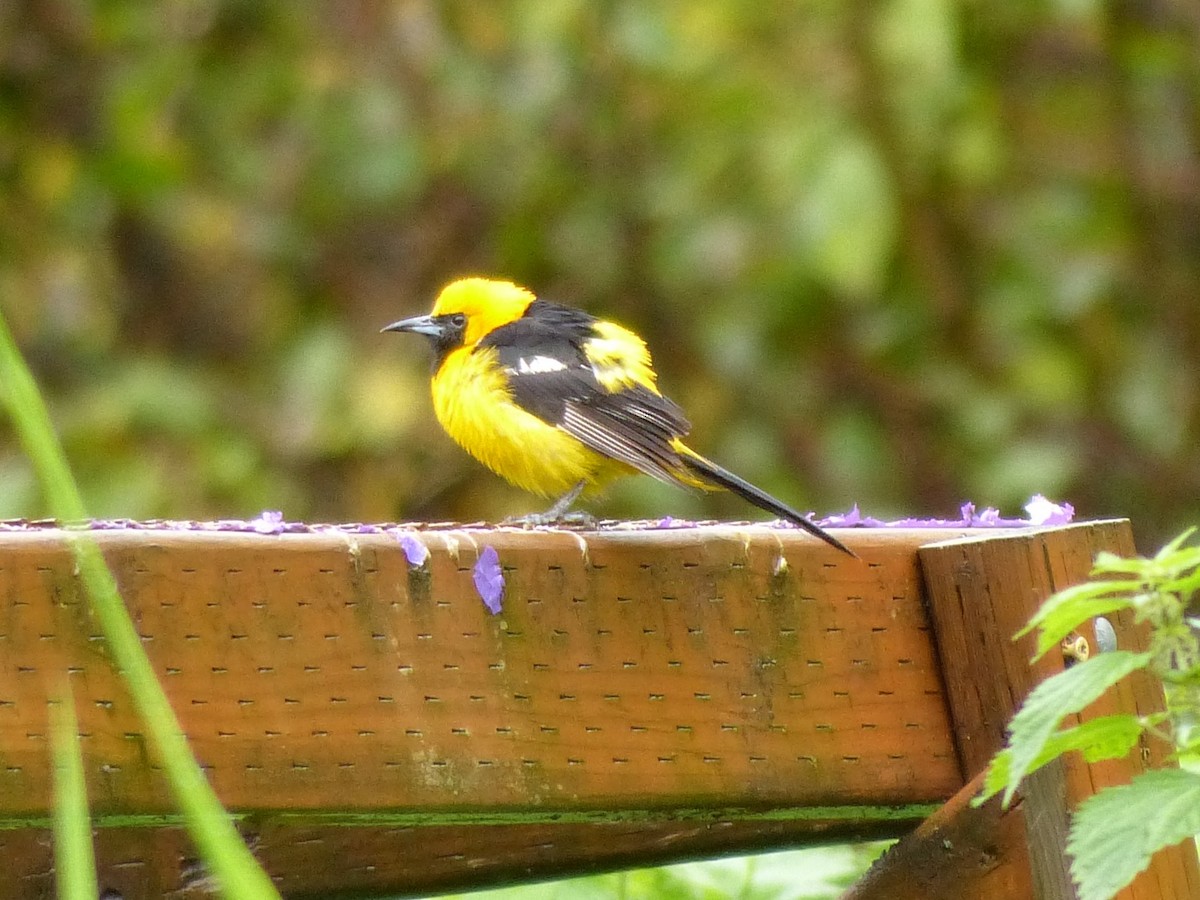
[(536, 520)]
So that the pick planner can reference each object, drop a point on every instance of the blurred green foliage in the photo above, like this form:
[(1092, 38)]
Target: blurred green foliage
[(819, 873), (904, 253)]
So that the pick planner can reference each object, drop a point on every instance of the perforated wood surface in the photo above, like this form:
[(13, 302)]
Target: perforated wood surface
[(633, 670), (673, 674)]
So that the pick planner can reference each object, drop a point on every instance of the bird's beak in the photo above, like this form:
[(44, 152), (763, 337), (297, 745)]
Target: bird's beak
[(425, 325)]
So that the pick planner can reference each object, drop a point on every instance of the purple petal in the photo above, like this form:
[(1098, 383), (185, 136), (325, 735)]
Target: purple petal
[(844, 520), (1046, 512), (1041, 512), (270, 521), (414, 551), (912, 522), (990, 516), (489, 579), (852, 518), (671, 522)]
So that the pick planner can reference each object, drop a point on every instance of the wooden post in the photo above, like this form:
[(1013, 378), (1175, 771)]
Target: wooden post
[(982, 590)]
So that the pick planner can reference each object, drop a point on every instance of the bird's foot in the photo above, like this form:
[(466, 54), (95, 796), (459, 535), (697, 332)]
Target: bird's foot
[(556, 514), (534, 520)]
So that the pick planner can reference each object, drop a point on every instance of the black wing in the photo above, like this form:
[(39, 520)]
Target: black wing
[(550, 376)]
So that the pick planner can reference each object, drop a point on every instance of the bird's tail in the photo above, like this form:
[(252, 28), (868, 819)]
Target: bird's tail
[(708, 471)]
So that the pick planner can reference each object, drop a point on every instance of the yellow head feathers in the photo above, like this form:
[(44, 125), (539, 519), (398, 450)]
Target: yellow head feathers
[(486, 303)]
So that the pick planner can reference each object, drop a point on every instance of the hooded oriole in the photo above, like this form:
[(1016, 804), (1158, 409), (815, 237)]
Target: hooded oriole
[(559, 402)]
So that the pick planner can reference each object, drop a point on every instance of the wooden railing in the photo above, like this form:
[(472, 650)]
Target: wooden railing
[(645, 695)]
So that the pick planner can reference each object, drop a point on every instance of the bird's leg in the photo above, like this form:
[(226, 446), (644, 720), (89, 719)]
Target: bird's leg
[(557, 512), (563, 503)]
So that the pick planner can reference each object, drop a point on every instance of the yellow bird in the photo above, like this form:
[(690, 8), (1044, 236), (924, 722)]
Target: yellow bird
[(559, 402)]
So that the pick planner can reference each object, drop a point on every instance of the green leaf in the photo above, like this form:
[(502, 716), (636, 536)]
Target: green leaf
[(1064, 611), (1105, 737), (1114, 834), (1064, 693), (1111, 564), (1184, 585)]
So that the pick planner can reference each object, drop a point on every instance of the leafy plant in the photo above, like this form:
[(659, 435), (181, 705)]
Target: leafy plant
[(1114, 833)]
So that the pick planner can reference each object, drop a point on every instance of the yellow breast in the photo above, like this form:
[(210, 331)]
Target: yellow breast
[(472, 402)]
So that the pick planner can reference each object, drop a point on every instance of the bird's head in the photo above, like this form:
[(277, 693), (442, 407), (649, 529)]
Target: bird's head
[(466, 310)]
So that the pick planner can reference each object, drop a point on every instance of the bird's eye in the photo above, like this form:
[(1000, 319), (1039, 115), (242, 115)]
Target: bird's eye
[(458, 320)]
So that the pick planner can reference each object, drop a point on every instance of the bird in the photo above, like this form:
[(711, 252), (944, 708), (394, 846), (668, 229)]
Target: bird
[(559, 402)]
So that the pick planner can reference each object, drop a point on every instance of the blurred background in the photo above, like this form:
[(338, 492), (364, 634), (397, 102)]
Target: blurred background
[(902, 253)]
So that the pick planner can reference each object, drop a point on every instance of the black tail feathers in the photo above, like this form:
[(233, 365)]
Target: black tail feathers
[(710, 471)]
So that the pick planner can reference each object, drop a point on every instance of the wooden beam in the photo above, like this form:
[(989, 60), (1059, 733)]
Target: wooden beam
[(960, 851), (321, 862), (645, 696), (698, 668), (672, 684)]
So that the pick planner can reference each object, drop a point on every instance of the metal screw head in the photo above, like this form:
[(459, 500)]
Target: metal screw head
[(1106, 635), (1075, 648)]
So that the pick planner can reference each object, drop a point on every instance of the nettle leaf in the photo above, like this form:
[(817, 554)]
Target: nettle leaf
[(1183, 585), (1063, 612), (1105, 737), (1114, 833), (1064, 693), (1110, 564)]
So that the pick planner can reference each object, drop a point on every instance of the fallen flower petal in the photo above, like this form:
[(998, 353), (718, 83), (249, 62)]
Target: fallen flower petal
[(847, 519), (489, 579), (851, 519), (1046, 512), (414, 551), (269, 521)]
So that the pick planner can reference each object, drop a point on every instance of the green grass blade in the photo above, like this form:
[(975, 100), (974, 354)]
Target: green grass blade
[(74, 858), (233, 866)]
